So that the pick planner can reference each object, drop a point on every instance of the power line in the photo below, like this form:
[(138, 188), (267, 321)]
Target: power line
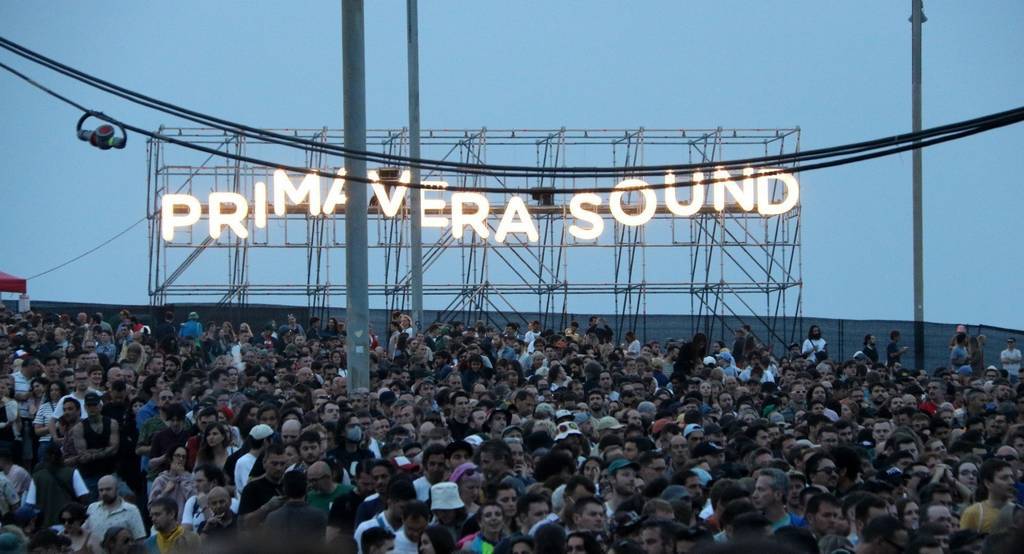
[(992, 122), (89, 251), (1007, 117)]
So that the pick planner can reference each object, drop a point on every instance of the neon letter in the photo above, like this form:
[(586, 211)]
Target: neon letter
[(232, 219), (516, 207), (389, 204), (336, 194), (168, 221), (476, 220), (744, 195), (308, 191), (582, 214), (650, 203), (259, 207), (696, 196), (791, 193)]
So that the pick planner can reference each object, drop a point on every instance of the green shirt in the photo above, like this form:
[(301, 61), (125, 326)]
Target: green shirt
[(323, 500)]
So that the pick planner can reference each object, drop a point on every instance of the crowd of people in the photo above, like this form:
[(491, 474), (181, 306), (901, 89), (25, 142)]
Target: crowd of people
[(190, 436)]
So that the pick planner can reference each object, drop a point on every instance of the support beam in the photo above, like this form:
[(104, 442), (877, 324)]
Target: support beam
[(357, 342), (916, 19), (415, 215)]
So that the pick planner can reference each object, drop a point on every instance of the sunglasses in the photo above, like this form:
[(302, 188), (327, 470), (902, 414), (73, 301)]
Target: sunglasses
[(1007, 458)]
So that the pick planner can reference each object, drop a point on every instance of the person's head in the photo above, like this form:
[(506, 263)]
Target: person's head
[(998, 477), (579, 542), (174, 415), (400, 491), (73, 516), (294, 484), (377, 540), (163, 511), (436, 540), (320, 477), (623, 477), (885, 534), (771, 489), (219, 500), (531, 508), (415, 517), (867, 509), (290, 431), (824, 514), (658, 536), (494, 458), (822, 471), (589, 515), (275, 461), (118, 540), (492, 519), (938, 515), (72, 409), (107, 489), (310, 447)]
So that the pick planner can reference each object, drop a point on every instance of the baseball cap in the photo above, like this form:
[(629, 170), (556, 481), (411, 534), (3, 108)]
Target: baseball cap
[(566, 429), (467, 469), (92, 399), (692, 428), (660, 424), (707, 449), (702, 474), (607, 422), (622, 463), (456, 446), (674, 492), (261, 431)]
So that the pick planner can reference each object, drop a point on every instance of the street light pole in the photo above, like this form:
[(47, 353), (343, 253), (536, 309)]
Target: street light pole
[(415, 222), (353, 64), (916, 19)]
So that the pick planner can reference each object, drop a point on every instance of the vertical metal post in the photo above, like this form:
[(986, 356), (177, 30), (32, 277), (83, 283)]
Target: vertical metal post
[(916, 19), (354, 96), (415, 222)]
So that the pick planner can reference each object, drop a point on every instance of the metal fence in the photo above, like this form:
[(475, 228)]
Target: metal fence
[(844, 336)]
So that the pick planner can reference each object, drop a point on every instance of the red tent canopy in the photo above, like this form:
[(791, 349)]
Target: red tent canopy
[(10, 283)]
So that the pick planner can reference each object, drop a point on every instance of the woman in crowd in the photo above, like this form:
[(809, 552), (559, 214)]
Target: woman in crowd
[(55, 390), (176, 482)]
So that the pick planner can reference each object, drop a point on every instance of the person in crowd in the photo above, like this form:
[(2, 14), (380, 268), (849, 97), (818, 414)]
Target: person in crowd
[(168, 536), (111, 510), (483, 438)]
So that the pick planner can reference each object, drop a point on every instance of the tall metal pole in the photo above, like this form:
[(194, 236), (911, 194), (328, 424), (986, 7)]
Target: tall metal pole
[(916, 19), (416, 224), (353, 71)]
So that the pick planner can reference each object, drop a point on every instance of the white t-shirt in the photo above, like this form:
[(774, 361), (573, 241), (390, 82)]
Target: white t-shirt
[(1011, 361), (403, 545), (191, 515), (22, 384), (379, 520), (242, 470), (58, 410)]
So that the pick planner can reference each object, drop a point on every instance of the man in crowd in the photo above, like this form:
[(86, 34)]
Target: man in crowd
[(589, 435)]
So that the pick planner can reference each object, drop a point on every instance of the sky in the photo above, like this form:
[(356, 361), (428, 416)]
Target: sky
[(838, 70)]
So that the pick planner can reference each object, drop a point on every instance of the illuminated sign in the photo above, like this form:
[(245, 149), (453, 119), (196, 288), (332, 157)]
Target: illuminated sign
[(465, 209)]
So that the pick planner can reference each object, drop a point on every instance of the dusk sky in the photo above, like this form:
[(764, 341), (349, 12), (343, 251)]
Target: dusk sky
[(838, 70)]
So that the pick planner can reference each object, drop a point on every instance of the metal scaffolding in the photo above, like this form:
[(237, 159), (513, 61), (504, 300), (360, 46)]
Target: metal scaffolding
[(721, 267)]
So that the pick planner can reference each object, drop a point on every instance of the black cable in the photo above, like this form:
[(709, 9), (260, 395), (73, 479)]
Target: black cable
[(495, 170), (999, 122)]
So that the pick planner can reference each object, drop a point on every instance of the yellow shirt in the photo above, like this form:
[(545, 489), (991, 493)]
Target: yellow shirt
[(980, 517)]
